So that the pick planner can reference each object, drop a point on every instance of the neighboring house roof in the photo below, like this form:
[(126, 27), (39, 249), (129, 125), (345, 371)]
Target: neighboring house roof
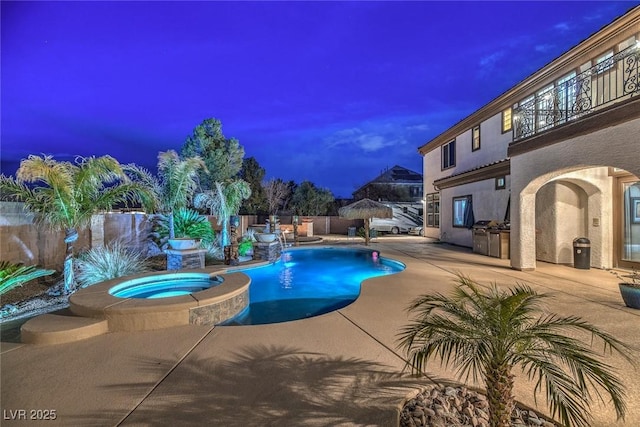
[(395, 175)]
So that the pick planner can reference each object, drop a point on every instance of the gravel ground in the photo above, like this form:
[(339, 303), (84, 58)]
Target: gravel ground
[(457, 406)]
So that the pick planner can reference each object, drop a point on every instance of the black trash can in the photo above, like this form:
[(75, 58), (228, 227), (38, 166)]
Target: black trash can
[(582, 253), (351, 232)]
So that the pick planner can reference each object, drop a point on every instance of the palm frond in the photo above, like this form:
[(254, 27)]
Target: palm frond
[(150, 198), (483, 331), (179, 178), (14, 275)]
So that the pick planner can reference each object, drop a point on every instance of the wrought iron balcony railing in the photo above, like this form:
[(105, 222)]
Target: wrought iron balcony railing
[(612, 80)]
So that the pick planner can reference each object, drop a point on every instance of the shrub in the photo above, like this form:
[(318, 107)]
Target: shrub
[(109, 262), (186, 223), (250, 234), (244, 247)]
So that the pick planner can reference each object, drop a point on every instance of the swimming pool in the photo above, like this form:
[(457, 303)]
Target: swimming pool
[(309, 282)]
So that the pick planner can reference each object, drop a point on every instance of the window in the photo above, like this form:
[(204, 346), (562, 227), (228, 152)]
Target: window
[(449, 155), (501, 183), (566, 94), (544, 108), (462, 212), (604, 63), (506, 120), (433, 210), (475, 138)]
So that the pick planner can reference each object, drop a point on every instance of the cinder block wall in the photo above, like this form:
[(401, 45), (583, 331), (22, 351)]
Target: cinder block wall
[(21, 240)]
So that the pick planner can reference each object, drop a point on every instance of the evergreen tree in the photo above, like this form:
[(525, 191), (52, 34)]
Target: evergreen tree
[(222, 156), (311, 200), (253, 174)]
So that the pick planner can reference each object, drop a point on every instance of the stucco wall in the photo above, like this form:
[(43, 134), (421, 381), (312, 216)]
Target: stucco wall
[(561, 216), (493, 146), (489, 202), (616, 146), (22, 241)]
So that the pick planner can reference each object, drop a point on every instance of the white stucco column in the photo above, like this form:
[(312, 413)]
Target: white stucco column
[(523, 231)]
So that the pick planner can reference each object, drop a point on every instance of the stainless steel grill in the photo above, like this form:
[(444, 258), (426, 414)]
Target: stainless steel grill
[(481, 236)]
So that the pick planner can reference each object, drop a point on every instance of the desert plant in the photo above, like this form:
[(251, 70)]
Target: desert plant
[(632, 279), (175, 184), (13, 275), (250, 234), (215, 250), (245, 246), (488, 332), (223, 201), (109, 262), (66, 195), (187, 223)]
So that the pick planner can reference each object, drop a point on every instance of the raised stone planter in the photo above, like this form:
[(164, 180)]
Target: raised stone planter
[(267, 251), (184, 243), (265, 237), (185, 259)]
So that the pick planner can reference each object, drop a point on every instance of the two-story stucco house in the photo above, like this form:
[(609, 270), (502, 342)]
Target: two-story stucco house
[(557, 155)]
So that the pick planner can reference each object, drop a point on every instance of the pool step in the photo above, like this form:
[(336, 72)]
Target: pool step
[(61, 328)]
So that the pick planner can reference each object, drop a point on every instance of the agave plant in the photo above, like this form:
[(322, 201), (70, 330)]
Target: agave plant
[(487, 333), (13, 275), (109, 262)]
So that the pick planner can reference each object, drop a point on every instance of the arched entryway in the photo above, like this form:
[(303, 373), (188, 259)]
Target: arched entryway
[(594, 163), (561, 206)]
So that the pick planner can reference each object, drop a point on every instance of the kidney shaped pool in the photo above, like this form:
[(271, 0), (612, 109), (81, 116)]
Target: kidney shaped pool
[(309, 282)]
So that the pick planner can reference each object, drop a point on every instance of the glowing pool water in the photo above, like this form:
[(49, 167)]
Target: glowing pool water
[(164, 286), (310, 282), (304, 283)]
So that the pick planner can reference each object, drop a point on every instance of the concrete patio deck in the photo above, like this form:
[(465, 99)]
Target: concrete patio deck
[(338, 369)]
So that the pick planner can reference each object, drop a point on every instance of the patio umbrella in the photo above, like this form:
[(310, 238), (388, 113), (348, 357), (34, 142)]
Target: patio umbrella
[(365, 209)]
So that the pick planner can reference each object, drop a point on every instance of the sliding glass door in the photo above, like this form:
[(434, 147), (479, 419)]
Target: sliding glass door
[(629, 228)]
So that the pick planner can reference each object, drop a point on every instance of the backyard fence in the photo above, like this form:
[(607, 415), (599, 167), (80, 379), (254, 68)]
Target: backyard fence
[(22, 241)]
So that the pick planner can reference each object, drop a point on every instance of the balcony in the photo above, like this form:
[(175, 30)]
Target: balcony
[(612, 80)]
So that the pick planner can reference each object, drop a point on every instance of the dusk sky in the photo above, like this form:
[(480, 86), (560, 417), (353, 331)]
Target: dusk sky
[(331, 92)]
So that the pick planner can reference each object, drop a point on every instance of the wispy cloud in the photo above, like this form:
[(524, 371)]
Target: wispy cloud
[(563, 27), (488, 63), (419, 128), (367, 141), (490, 60), (544, 47)]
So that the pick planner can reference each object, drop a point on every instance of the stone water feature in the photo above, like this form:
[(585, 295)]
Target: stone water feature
[(184, 254), (267, 251)]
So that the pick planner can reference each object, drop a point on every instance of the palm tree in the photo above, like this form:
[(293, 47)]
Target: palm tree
[(487, 332), (175, 185), (65, 195), (224, 201)]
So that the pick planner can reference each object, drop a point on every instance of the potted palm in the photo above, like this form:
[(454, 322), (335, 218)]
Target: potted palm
[(630, 289)]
